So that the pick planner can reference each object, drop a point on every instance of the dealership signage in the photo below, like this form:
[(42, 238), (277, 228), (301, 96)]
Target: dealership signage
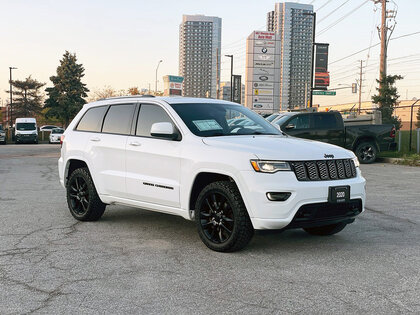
[(237, 89), (262, 87), (322, 76), (172, 85)]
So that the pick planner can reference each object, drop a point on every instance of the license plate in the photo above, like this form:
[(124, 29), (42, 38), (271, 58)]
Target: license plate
[(339, 194)]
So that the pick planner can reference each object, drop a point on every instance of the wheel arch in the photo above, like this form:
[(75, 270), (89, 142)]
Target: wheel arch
[(364, 139), (73, 164), (206, 177)]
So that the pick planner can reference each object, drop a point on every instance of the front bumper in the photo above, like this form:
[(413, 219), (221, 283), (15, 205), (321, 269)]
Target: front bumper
[(26, 138), (3, 138), (55, 140), (266, 214)]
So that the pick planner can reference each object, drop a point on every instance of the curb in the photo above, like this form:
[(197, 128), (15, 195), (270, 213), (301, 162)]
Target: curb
[(388, 160)]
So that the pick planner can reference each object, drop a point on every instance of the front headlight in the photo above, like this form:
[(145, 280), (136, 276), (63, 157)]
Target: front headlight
[(356, 161), (270, 166)]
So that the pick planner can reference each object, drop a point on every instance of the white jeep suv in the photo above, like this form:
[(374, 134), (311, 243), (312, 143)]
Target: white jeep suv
[(188, 157)]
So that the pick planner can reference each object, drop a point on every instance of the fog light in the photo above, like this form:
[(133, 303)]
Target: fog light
[(278, 196)]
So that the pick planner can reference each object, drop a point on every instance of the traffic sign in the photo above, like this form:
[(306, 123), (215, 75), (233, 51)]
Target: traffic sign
[(324, 92)]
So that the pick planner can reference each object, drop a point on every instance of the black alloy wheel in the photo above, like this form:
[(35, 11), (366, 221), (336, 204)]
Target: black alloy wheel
[(216, 218), (82, 198), (79, 195), (366, 152), (222, 219)]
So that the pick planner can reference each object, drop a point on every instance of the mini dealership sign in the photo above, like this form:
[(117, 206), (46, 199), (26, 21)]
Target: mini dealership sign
[(262, 88), (172, 85)]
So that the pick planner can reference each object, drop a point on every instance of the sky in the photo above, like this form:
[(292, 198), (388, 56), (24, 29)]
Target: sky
[(120, 42)]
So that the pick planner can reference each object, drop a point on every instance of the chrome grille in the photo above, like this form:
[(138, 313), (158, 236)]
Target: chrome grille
[(324, 170)]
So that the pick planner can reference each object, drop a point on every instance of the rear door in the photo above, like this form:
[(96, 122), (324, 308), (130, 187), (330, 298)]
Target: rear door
[(106, 149), (153, 164), (328, 127)]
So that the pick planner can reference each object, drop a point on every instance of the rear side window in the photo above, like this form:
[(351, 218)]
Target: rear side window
[(148, 115), (118, 119), (92, 119), (324, 121)]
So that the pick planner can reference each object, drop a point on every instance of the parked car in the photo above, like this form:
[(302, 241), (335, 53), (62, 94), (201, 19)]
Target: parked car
[(47, 128), (179, 156), (26, 130), (55, 135), (2, 135), (272, 117), (366, 141)]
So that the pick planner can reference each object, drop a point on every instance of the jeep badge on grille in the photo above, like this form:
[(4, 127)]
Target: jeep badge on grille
[(328, 156)]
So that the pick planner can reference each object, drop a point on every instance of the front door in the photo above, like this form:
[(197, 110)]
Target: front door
[(153, 164)]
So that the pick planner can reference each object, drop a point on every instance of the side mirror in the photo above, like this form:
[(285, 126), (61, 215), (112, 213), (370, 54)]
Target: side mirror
[(163, 130), (290, 126)]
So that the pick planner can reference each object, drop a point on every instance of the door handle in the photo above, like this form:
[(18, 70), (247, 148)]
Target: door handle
[(96, 139), (135, 144)]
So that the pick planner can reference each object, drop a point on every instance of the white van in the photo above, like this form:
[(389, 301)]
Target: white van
[(26, 130)]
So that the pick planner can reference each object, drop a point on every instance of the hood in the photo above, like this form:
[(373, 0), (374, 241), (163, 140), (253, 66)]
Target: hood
[(280, 147)]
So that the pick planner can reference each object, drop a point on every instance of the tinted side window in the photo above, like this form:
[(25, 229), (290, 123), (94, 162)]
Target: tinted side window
[(324, 121), (92, 119), (148, 115), (300, 122), (118, 119)]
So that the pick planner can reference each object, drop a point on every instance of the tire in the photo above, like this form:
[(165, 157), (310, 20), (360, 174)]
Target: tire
[(82, 198), (222, 220), (366, 152), (326, 229)]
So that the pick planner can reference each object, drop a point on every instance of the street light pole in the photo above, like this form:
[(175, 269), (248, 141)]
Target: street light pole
[(231, 76), (160, 61), (11, 96)]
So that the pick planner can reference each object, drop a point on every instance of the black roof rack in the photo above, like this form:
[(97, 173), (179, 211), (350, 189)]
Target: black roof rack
[(128, 96)]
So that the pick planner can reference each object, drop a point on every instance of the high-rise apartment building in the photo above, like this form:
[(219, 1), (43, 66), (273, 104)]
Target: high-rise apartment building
[(295, 32), (199, 54)]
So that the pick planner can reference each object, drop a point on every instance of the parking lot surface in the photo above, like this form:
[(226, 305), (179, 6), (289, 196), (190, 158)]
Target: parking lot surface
[(137, 261)]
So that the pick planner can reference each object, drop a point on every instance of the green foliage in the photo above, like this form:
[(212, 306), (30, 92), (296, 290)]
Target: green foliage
[(27, 99), (66, 97), (387, 99), (418, 118)]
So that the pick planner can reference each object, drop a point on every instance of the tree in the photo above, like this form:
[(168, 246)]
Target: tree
[(133, 91), (66, 97), (418, 118), (387, 99), (106, 92), (27, 99)]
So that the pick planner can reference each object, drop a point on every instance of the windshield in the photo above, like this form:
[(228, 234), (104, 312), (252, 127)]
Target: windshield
[(25, 126), (57, 131), (217, 119), (272, 117)]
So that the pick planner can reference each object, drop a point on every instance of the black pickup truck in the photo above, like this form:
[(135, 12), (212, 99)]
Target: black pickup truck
[(364, 140)]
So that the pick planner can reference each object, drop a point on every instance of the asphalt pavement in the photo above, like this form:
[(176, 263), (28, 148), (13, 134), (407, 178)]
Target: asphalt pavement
[(143, 262)]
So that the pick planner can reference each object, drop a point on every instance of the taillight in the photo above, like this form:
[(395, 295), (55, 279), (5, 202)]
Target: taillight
[(393, 131), (61, 140)]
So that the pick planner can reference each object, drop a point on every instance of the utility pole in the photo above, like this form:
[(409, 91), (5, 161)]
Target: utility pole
[(231, 76), (382, 69), (11, 97), (383, 35), (360, 85)]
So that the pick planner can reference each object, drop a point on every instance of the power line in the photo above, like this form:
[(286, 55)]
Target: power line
[(333, 11), (362, 50), (341, 19)]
